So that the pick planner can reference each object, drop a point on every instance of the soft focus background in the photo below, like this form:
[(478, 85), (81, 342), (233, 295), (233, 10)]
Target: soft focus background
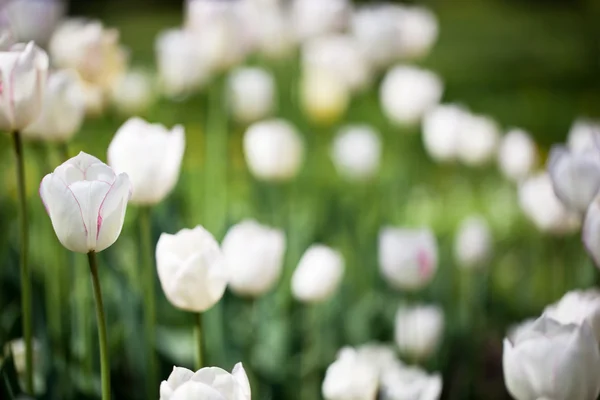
[(532, 64)]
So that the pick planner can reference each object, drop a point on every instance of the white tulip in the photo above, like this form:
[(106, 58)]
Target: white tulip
[(419, 29), (325, 96), (442, 127), (591, 231), (407, 93), (578, 307), (312, 18), (133, 92), (34, 19), (86, 202), (517, 155), (584, 135), (341, 56), (378, 356), (273, 31), (94, 99), (191, 269), (419, 330), (318, 274), (473, 243), (209, 383), (400, 382), (350, 378), (575, 176), (254, 256), (63, 110), (274, 150), (24, 68), (17, 350), (151, 155), (252, 94), (543, 208), (478, 140), (408, 258), (356, 152), (548, 360)]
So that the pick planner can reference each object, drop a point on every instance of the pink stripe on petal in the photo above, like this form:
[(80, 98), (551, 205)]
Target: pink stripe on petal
[(99, 220), (424, 262)]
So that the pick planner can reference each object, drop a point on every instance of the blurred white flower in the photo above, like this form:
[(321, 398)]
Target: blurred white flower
[(251, 94), (206, 383), (478, 140), (419, 330), (133, 92), (400, 382), (191, 269), (418, 32), (578, 307), (517, 155), (318, 274), (379, 356), (63, 110), (94, 99), (151, 155), (543, 208), (350, 378), (324, 95), (24, 68), (473, 243), (591, 231), (549, 360), (356, 152), (575, 176), (86, 202), (341, 56), (34, 19), (408, 258), (273, 32), (407, 93), (312, 18), (274, 150), (254, 256), (584, 135), (442, 127), (17, 349)]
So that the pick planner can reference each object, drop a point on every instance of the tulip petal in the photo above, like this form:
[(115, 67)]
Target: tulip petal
[(222, 381), (179, 376), (111, 212), (239, 373), (196, 390), (8, 61), (591, 231)]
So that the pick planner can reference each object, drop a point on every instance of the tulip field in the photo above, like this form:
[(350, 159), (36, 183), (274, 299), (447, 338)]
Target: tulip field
[(304, 199)]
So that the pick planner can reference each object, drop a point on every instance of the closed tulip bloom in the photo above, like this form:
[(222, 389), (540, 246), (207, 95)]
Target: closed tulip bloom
[(274, 150), (575, 176), (356, 152), (34, 19), (584, 135), (578, 307), (318, 274), (419, 330), (63, 110), (86, 202), (400, 382), (312, 18), (407, 93), (473, 243), (324, 96), (408, 258), (442, 127), (209, 383), (133, 92), (251, 94), (418, 28), (254, 256), (517, 155), (478, 140), (24, 69), (543, 208), (191, 269), (550, 360), (591, 231), (350, 378), (151, 155)]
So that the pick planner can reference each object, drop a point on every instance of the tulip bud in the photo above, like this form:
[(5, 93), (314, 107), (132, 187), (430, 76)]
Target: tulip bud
[(274, 150), (151, 156), (34, 20), (549, 360), (86, 202), (578, 307), (251, 94), (63, 110), (584, 135), (350, 378), (517, 155), (478, 140), (418, 28), (407, 93), (442, 127), (473, 243), (133, 92), (377, 355), (24, 68), (400, 382), (191, 269), (575, 176), (356, 152), (543, 208), (318, 274), (254, 257), (312, 18), (419, 330), (325, 96), (408, 258), (206, 383), (591, 231)]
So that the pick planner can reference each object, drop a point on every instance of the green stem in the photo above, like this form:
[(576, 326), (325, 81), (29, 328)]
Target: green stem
[(104, 361), (25, 276), (199, 341), (149, 299), (64, 151)]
